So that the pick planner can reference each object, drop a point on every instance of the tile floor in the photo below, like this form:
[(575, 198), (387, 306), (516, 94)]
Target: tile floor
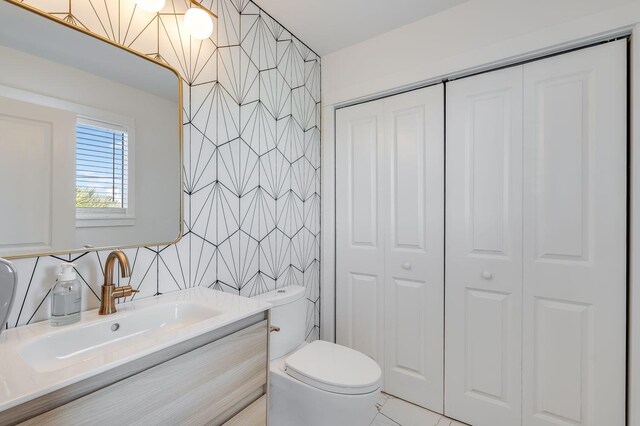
[(396, 412)]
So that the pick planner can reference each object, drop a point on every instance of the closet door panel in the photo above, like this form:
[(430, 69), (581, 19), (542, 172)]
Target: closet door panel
[(575, 238), (414, 284), (484, 249), (360, 229)]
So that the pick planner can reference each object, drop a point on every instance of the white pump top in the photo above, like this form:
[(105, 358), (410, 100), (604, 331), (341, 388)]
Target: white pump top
[(68, 273)]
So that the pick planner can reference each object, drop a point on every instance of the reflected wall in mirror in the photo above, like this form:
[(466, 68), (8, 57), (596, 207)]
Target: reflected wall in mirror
[(90, 141)]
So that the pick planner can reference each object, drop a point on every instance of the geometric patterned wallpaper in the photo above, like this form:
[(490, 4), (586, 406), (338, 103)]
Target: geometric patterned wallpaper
[(251, 158)]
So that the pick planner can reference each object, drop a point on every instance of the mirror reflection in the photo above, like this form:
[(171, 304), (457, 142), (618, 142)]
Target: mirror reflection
[(90, 153)]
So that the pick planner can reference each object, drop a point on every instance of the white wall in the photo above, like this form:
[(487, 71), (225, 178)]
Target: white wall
[(475, 35)]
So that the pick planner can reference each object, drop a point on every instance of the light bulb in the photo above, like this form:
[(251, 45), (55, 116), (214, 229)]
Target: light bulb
[(153, 6), (198, 23)]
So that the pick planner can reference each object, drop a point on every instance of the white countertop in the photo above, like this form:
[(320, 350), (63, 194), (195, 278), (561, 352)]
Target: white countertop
[(20, 382)]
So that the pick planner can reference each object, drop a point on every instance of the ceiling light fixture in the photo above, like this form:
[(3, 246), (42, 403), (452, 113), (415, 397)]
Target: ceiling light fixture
[(152, 6), (198, 21)]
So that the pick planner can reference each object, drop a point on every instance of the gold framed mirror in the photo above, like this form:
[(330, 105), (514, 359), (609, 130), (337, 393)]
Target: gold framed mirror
[(90, 143)]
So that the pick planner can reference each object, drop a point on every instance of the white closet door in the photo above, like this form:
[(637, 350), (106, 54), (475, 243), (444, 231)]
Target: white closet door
[(414, 259), (484, 249), (575, 238), (360, 236), (390, 239), (38, 177)]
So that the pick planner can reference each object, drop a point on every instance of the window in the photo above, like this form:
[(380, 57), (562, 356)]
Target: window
[(102, 173)]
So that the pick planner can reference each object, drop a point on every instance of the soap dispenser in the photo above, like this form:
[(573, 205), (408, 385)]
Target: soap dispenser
[(66, 297)]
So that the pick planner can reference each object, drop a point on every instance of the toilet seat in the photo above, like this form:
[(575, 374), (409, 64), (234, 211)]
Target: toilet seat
[(334, 368)]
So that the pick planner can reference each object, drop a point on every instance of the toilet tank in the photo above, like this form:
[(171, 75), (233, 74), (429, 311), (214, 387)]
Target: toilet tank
[(289, 312)]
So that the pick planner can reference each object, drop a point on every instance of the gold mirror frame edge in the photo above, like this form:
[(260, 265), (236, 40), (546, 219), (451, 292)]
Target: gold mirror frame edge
[(180, 137), (199, 5)]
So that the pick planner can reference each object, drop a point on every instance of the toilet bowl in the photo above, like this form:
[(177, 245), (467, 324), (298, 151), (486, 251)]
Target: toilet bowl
[(318, 383)]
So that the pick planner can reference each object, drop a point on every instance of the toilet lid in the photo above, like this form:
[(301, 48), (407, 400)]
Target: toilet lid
[(334, 368)]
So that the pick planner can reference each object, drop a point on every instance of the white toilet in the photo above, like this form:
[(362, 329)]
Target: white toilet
[(320, 383)]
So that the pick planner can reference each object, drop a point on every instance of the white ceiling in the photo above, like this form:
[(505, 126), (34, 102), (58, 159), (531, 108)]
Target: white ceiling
[(330, 25)]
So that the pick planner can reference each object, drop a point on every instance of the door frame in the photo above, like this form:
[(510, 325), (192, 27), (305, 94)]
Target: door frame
[(329, 209)]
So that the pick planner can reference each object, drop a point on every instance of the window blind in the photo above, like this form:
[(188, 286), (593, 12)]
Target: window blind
[(101, 166)]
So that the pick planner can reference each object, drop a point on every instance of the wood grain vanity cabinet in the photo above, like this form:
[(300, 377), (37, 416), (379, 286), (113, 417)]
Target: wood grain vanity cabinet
[(214, 379)]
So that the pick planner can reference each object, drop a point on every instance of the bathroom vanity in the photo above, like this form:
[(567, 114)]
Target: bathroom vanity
[(197, 356)]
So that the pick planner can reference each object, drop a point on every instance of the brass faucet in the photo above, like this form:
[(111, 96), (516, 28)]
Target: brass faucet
[(109, 291)]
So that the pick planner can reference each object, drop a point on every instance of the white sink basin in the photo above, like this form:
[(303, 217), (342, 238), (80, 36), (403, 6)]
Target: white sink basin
[(71, 346), (38, 359)]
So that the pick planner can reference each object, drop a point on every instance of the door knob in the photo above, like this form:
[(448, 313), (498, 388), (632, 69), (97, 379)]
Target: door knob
[(487, 275), (406, 265)]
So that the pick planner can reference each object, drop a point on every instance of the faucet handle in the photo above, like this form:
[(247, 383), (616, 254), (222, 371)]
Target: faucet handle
[(123, 291)]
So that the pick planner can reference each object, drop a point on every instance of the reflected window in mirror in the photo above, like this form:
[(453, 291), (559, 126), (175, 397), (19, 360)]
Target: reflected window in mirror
[(102, 174)]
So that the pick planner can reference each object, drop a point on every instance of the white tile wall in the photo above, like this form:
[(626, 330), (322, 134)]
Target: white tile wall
[(251, 158)]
